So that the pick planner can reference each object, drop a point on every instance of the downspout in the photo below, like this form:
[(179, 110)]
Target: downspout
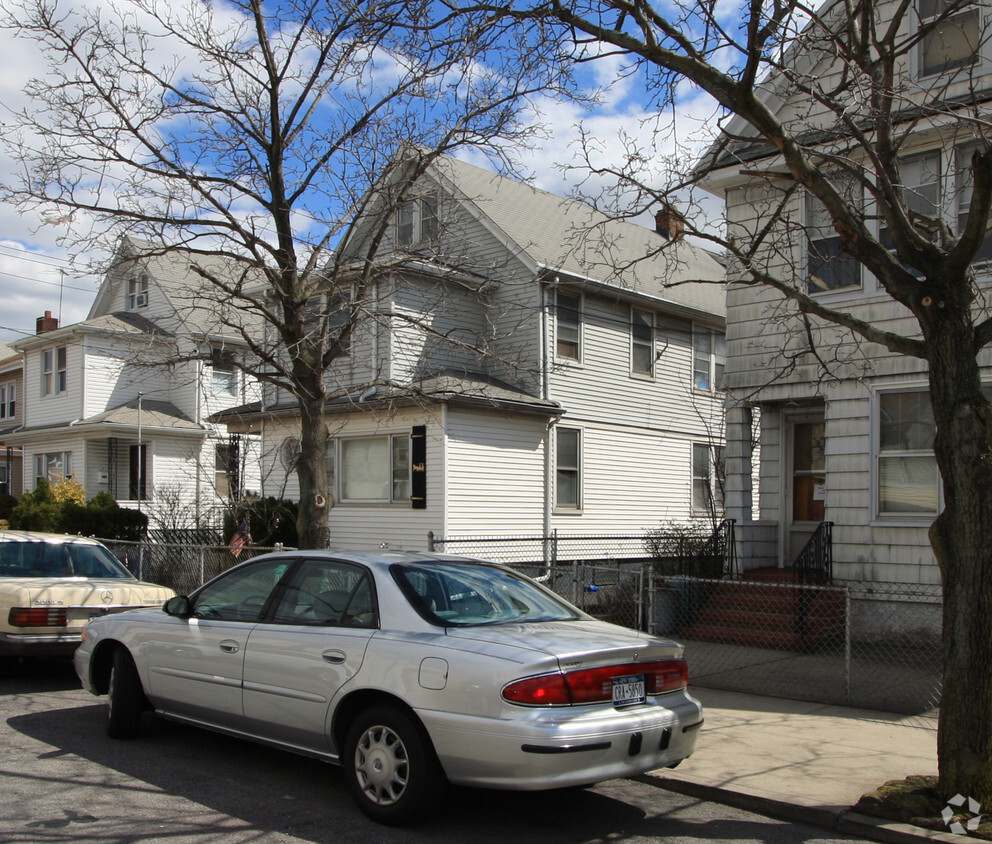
[(199, 461), (543, 360)]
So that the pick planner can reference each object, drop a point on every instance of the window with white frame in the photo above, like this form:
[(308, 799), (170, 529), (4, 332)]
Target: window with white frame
[(952, 37), (8, 400), (568, 325), (921, 193), (709, 356), (227, 466), (417, 220), (54, 379), (965, 186), (55, 466), (828, 266), (707, 479), (337, 316), (907, 468), (223, 374), (374, 469), (641, 342), (568, 468), (137, 292), (4, 480)]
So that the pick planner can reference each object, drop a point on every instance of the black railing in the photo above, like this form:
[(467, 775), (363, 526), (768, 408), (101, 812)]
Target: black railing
[(720, 547), (815, 563)]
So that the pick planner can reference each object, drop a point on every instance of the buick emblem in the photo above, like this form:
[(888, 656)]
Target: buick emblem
[(107, 596)]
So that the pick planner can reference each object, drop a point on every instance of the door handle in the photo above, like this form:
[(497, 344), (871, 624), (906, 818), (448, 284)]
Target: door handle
[(333, 657), (229, 646)]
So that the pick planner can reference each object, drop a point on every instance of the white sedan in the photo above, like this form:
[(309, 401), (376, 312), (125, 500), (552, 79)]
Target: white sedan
[(51, 585), (410, 670)]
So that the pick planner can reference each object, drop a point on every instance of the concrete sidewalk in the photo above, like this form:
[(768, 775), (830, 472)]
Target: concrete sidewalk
[(805, 761)]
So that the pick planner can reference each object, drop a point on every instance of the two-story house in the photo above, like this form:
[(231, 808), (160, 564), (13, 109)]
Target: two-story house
[(121, 401), (845, 433), (530, 365), (11, 387)]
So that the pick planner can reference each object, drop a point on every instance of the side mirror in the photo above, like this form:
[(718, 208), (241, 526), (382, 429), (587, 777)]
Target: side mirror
[(179, 607)]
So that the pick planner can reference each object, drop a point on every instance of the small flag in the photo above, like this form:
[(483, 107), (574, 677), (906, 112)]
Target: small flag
[(239, 540)]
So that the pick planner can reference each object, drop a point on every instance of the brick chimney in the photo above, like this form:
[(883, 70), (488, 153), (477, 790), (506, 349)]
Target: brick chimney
[(46, 323), (669, 223)]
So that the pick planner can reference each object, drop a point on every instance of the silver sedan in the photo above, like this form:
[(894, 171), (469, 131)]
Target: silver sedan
[(410, 670)]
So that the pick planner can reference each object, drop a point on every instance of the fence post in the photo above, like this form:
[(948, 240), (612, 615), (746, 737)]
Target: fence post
[(652, 617), (141, 562), (847, 645), (202, 578), (430, 541)]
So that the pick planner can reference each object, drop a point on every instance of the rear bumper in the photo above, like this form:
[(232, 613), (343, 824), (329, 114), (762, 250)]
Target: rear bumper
[(39, 644), (559, 747)]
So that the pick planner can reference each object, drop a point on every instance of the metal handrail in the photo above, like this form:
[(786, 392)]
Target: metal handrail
[(815, 562)]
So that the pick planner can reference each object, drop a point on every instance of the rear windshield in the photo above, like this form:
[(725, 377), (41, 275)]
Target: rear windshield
[(458, 594), (58, 559)]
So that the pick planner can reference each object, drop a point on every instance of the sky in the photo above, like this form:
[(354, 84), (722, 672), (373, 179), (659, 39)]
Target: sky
[(37, 275)]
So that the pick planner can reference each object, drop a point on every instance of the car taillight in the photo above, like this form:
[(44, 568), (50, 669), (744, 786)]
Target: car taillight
[(595, 685), (37, 617)]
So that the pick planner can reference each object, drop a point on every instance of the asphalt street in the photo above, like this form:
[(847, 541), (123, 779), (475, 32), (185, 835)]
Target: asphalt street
[(63, 780)]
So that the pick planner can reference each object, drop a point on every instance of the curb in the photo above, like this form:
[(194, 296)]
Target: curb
[(844, 820)]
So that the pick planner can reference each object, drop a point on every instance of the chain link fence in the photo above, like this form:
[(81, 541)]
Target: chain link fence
[(868, 645), (181, 566)]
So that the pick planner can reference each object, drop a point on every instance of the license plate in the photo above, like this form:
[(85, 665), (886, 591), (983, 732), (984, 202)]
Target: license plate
[(628, 690)]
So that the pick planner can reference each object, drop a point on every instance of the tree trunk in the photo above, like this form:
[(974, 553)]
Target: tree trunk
[(962, 542), (311, 470)]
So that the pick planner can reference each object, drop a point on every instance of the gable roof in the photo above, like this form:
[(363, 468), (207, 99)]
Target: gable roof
[(550, 235), (172, 271)]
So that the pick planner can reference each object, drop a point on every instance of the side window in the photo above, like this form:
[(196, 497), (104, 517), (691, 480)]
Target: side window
[(949, 42), (329, 593), (241, 594), (568, 309)]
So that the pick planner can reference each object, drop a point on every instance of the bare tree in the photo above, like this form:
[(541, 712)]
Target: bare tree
[(261, 134), (827, 103)]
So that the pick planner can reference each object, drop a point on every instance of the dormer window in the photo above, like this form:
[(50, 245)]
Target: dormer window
[(953, 41), (137, 292)]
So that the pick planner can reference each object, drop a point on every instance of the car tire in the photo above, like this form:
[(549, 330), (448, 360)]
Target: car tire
[(125, 698), (391, 767)]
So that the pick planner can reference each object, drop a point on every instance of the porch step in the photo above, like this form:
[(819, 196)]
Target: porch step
[(769, 616)]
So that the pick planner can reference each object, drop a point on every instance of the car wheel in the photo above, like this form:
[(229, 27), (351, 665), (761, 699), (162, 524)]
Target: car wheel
[(125, 698), (391, 767)]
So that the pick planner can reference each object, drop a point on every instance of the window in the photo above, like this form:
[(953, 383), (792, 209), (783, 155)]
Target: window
[(375, 469), (337, 318), (53, 371), (8, 400), (4, 480), (223, 376), (241, 594), (568, 463), (330, 465), (227, 469), (417, 221), (328, 592), (137, 292), (137, 472), (568, 311), (709, 355), (921, 195), (963, 197), (828, 266), (952, 42), (907, 467), (707, 479), (641, 342), (53, 467)]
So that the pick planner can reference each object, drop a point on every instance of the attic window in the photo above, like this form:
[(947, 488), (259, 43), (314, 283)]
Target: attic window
[(417, 221), (137, 292)]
